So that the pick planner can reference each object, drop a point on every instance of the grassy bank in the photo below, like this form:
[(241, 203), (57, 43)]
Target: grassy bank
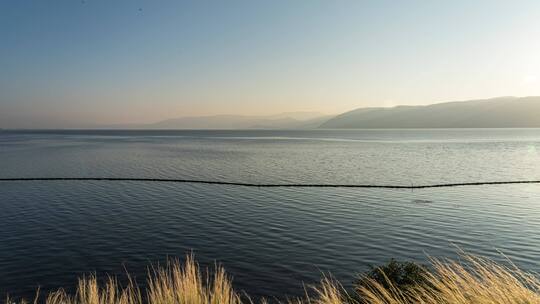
[(473, 280)]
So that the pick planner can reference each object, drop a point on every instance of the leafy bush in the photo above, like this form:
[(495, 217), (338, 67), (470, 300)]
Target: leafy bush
[(394, 274)]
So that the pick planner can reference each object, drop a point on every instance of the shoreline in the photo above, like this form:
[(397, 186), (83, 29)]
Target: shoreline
[(467, 281)]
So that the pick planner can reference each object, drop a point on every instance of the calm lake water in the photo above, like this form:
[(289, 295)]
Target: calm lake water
[(275, 240)]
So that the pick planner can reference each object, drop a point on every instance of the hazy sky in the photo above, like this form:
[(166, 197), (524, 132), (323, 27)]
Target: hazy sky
[(142, 61)]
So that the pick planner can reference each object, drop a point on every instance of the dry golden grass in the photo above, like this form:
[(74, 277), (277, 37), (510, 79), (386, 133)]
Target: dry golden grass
[(89, 292), (177, 284), (474, 280)]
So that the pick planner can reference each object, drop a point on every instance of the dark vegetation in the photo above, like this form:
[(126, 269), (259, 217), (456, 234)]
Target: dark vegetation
[(395, 274)]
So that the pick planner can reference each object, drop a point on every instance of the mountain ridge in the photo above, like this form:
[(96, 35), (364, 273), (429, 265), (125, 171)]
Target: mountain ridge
[(286, 120), (499, 112)]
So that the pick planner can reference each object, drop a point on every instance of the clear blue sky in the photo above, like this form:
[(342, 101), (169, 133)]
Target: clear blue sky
[(141, 61)]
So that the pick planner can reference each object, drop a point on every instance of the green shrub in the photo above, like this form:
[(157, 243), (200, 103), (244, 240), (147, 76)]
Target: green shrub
[(394, 274)]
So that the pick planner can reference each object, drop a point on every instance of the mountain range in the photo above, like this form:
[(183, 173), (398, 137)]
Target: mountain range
[(501, 112), (290, 120)]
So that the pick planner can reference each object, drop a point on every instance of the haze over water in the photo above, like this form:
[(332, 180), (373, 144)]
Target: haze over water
[(270, 240)]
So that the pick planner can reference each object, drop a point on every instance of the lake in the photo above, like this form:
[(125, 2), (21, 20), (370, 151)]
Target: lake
[(271, 240)]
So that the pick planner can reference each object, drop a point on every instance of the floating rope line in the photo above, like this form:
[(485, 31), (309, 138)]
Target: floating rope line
[(209, 182)]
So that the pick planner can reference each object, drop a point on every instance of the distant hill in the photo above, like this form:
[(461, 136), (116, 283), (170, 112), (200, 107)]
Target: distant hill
[(292, 120), (501, 112)]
